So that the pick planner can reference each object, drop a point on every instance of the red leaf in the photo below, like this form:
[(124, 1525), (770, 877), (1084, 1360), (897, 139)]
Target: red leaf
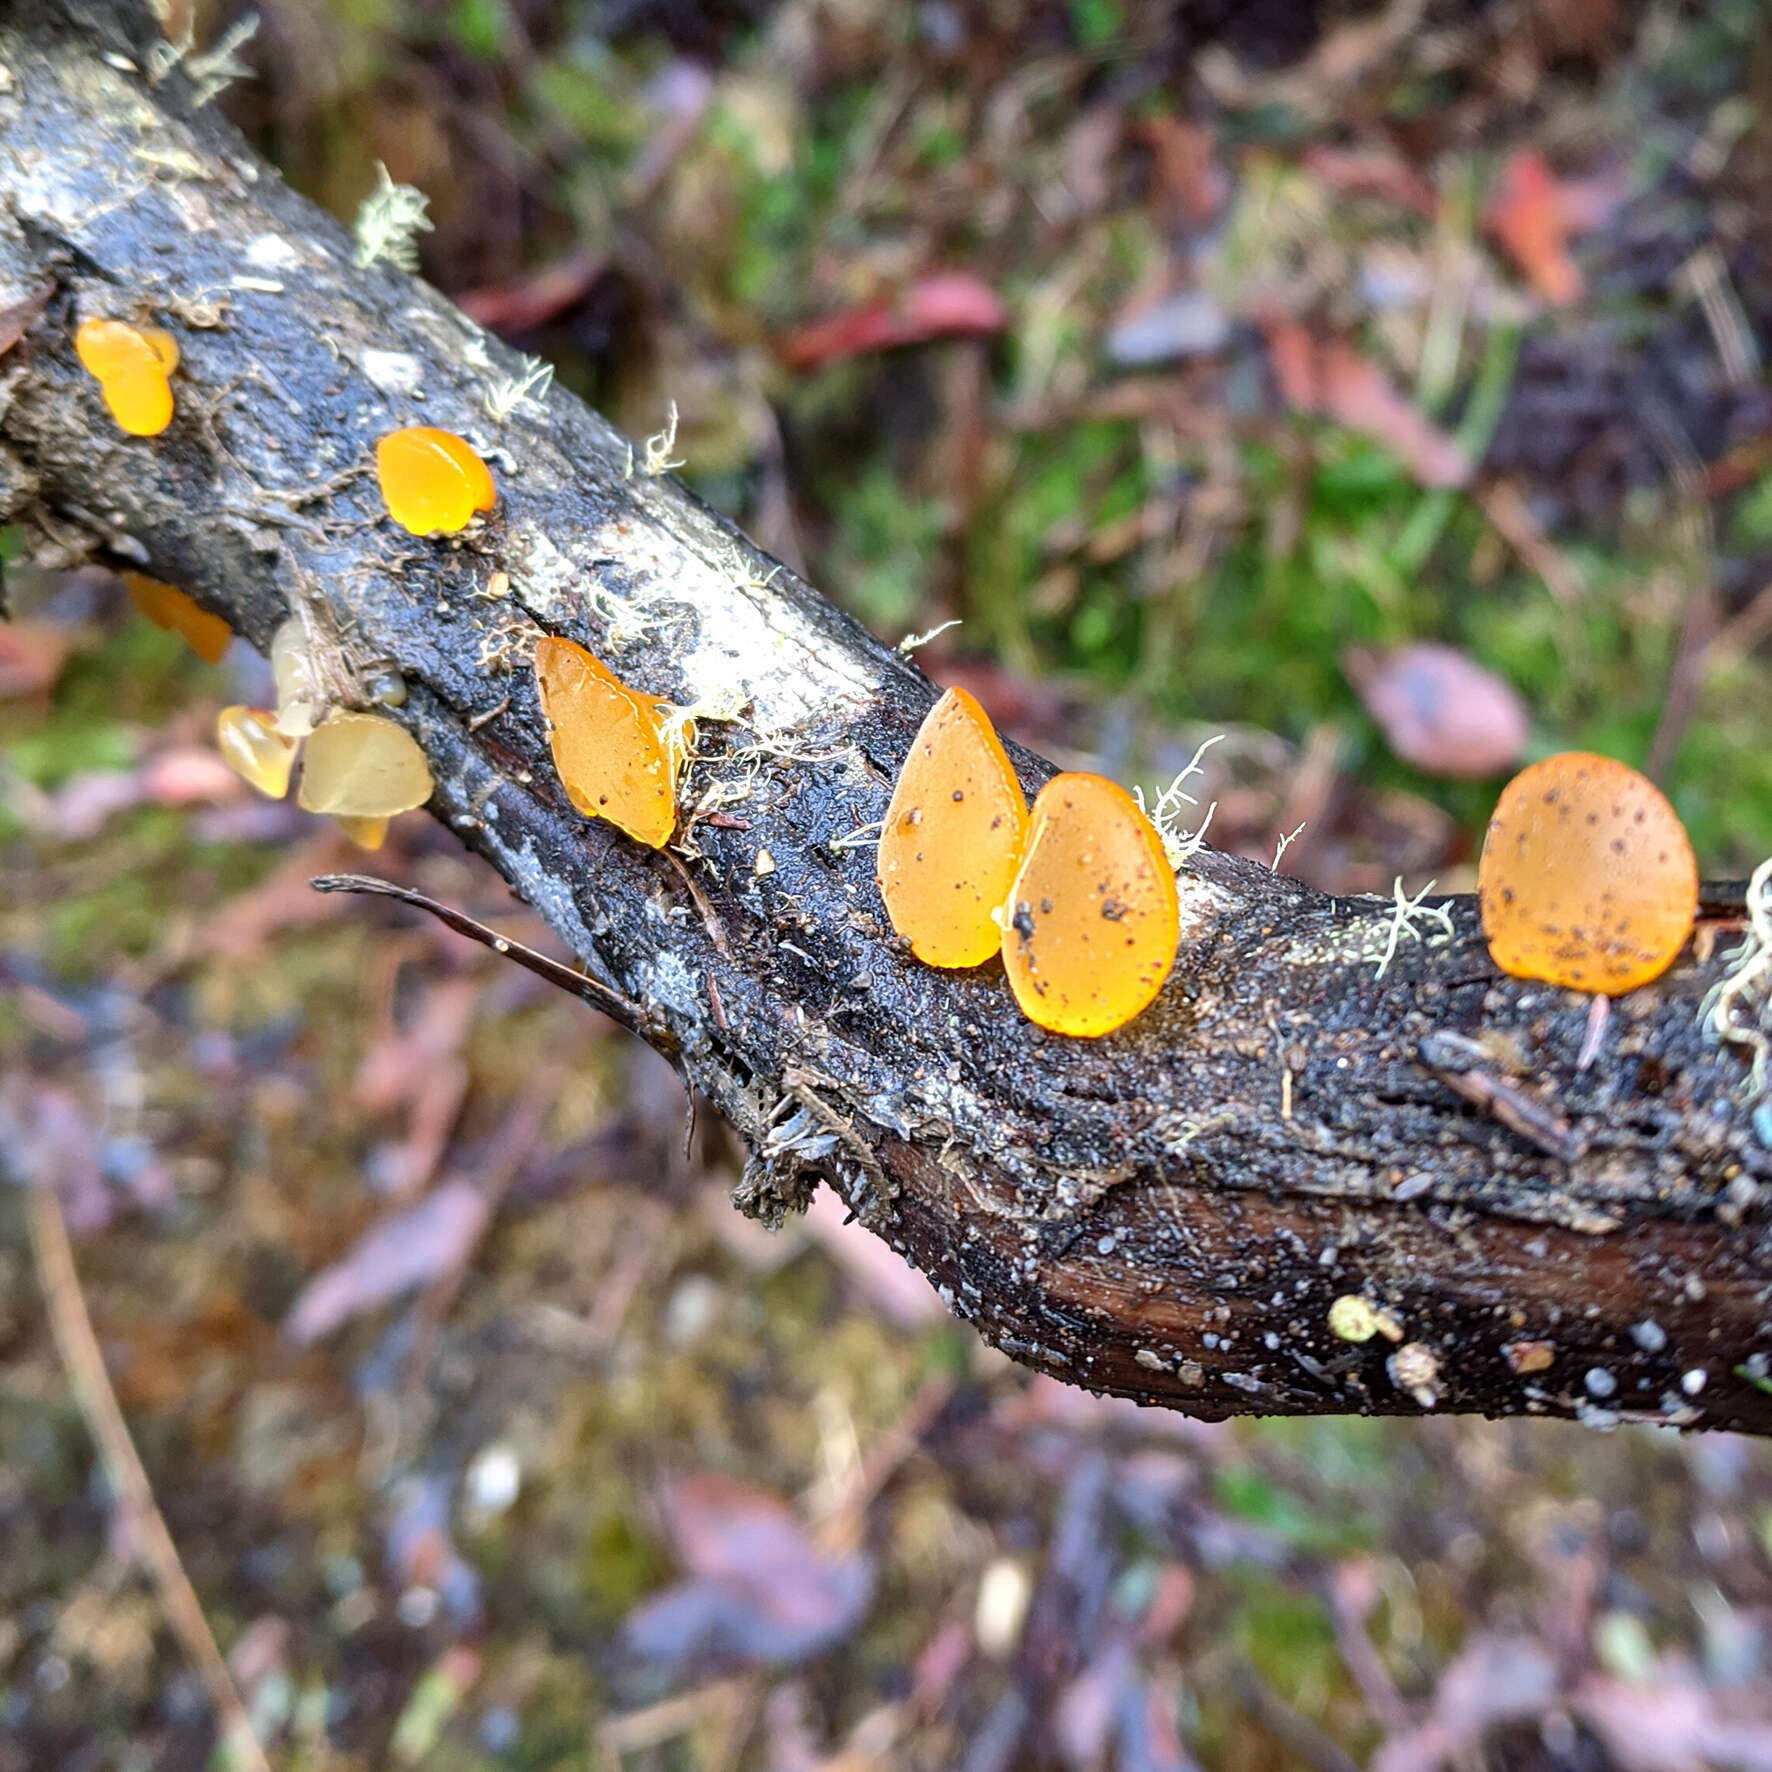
[(32, 654), (1531, 221), (1373, 172), (945, 304)]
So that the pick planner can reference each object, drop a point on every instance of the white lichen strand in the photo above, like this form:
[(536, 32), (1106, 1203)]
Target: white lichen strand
[(528, 387), (1404, 912), (1739, 1009), (389, 222), (1180, 844)]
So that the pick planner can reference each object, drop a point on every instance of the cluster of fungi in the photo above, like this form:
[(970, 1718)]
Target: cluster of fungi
[(1587, 880)]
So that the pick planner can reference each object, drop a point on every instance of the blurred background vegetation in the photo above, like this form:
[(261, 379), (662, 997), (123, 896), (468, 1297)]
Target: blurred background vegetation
[(1380, 387)]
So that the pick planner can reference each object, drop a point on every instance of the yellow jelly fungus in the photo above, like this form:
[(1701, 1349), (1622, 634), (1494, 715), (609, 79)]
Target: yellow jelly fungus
[(132, 365), (432, 480), (255, 750), (366, 833), (616, 758), (363, 766), (300, 700), (952, 836), (1091, 921), (1587, 879), (167, 607)]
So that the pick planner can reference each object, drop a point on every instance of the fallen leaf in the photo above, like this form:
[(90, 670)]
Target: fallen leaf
[(396, 1254), (889, 1283), (1492, 1680), (1528, 217), (32, 654), (1358, 394), (760, 1588), (1440, 712), (1673, 1723), (1372, 172), (15, 321), (1334, 379), (945, 304), (1184, 167)]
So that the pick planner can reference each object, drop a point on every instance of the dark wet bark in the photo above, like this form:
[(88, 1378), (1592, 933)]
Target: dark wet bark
[(1169, 1213)]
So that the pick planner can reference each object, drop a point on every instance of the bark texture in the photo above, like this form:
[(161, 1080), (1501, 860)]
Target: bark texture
[(1170, 1213)]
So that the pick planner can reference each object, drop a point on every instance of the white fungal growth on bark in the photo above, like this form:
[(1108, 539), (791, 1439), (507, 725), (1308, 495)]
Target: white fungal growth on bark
[(1180, 844)]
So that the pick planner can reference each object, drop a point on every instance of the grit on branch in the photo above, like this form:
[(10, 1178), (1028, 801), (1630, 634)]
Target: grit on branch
[(1302, 1182)]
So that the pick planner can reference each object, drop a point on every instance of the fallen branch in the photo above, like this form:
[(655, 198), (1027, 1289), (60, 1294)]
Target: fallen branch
[(1170, 1213)]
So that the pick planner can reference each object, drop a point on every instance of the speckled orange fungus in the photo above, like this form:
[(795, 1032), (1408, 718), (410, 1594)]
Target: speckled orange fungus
[(132, 365), (432, 480), (1587, 879), (255, 750), (167, 607), (952, 836), (615, 757), (1091, 922), (362, 766)]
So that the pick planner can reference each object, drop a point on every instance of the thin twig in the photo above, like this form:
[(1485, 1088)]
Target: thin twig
[(91, 1385)]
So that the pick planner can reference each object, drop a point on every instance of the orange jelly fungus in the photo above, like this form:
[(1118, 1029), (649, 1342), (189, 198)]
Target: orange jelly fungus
[(362, 766), (616, 758), (255, 750), (432, 480), (366, 833), (952, 836), (1091, 921), (167, 607), (1587, 879), (132, 365)]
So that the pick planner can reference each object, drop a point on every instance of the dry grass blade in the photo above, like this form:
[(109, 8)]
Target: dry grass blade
[(79, 1349)]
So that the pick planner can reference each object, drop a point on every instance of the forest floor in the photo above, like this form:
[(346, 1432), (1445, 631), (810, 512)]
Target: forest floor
[(1205, 372)]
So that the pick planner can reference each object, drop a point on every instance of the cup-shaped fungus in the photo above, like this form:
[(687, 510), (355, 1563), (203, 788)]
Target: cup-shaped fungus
[(362, 766), (952, 836), (1587, 879), (133, 366), (433, 481), (255, 750), (167, 607), (616, 757), (366, 833), (1091, 921), (300, 699)]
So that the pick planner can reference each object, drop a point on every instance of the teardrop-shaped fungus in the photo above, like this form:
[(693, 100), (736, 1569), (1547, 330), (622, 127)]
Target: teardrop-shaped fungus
[(1091, 922), (168, 607), (616, 757), (433, 481), (255, 750), (300, 699), (132, 365), (362, 766), (366, 833), (1587, 879), (952, 837)]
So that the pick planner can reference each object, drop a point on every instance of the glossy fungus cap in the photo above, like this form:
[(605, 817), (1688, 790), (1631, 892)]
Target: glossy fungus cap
[(363, 766), (952, 836), (433, 481), (1090, 927), (1587, 879), (615, 757)]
